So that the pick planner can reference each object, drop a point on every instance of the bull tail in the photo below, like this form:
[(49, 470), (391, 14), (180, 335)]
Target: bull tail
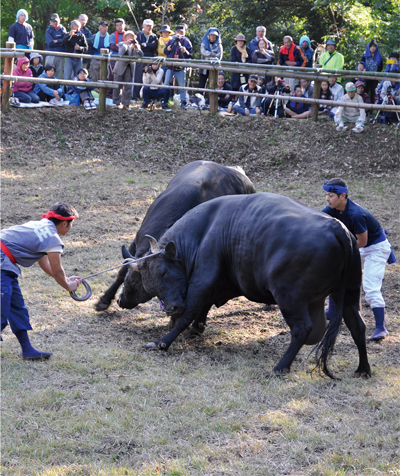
[(327, 343)]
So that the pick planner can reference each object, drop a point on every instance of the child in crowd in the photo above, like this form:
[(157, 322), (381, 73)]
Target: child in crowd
[(297, 110), (49, 92), (36, 64), (361, 66), (325, 94), (22, 90), (84, 92)]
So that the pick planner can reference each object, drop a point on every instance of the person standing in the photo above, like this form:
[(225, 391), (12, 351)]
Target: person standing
[(54, 42), (239, 54), (211, 49), (305, 45), (178, 47), (124, 70), (374, 63), (24, 245), (373, 245), (100, 40), (74, 42), (21, 32), (148, 42), (291, 55), (261, 32), (83, 19), (331, 59)]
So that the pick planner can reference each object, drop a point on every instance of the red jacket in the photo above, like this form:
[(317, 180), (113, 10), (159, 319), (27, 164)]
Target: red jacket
[(293, 54)]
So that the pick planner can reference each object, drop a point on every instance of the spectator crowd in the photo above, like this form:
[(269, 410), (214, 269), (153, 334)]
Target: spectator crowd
[(78, 39)]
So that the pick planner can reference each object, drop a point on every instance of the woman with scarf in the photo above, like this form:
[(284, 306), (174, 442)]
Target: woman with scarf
[(373, 62), (211, 48), (21, 32), (239, 54), (23, 90)]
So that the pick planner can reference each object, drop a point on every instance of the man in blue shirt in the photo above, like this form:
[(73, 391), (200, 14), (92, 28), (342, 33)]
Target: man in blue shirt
[(54, 35), (21, 32), (372, 243), (100, 40)]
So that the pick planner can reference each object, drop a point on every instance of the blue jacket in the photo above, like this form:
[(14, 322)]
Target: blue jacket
[(308, 52), (43, 86), (80, 87), (53, 34), (372, 63)]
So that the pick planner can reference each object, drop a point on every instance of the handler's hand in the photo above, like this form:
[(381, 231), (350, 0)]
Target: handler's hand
[(73, 283)]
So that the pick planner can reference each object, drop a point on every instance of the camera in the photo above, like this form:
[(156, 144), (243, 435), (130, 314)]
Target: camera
[(177, 40), (389, 90), (149, 69)]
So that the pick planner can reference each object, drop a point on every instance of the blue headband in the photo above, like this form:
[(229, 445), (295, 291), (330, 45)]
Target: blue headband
[(339, 189)]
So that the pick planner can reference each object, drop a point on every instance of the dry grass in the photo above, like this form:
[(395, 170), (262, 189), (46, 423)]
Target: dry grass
[(102, 406)]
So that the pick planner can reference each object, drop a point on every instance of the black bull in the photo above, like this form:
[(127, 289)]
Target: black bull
[(270, 249), (195, 183)]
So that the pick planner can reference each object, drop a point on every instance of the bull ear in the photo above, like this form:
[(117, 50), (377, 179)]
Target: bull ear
[(170, 250), (125, 252), (153, 244)]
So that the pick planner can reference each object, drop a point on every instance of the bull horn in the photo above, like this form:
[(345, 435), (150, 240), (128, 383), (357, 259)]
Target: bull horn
[(153, 244), (125, 252)]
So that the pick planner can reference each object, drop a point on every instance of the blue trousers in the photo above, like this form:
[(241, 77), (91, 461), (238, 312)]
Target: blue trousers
[(26, 97), (180, 79), (241, 110), (13, 309), (162, 93), (71, 67)]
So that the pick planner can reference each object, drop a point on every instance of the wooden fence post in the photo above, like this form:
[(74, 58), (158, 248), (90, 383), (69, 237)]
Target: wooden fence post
[(8, 67), (103, 77), (213, 97), (316, 94)]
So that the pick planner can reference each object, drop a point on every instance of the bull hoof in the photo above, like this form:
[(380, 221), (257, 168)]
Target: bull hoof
[(151, 346), (101, 306), (163, 346), (363, 374), (281, 372)]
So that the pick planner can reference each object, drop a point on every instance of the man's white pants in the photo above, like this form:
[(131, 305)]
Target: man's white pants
[(374, 260)]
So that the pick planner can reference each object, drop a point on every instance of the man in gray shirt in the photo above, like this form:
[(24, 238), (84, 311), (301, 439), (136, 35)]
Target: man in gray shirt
[(24, 245)]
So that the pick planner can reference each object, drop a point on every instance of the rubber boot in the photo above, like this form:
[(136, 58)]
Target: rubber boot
[(331, 309), (28, 352), (380, 329)]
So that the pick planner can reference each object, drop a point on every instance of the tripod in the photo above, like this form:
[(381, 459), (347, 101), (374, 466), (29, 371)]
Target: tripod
[(388, 100)]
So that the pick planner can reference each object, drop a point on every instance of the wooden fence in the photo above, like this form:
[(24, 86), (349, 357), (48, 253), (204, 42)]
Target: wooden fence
[(213, 66)]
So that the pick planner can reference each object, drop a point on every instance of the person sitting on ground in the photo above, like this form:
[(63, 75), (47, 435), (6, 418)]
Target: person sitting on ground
[(24, 245), (101, 40), (360, 89), (331, 59), (74, 42), (178, 47), (337, 91), (374, 63), (360, 67), (21, 32), (84, 92), (305, 45), (308, 90), (54, 43), (239, 54), (223, 99), (297, 110), (124, 70), (349, 113), (268, 105), (36, 64), (263, 55), (325, 93), (391, 93), (51, 93), (23, 90), (153, 74), (249, 105), (211, 48), (165, 35)]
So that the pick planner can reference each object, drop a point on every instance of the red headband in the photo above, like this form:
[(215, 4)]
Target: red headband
[(51, 214)]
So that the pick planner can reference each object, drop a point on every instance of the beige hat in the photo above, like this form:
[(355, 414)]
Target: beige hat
[(130, 32), (240, 37)]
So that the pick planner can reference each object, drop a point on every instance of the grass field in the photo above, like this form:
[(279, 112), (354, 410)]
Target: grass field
[(102, 406)]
